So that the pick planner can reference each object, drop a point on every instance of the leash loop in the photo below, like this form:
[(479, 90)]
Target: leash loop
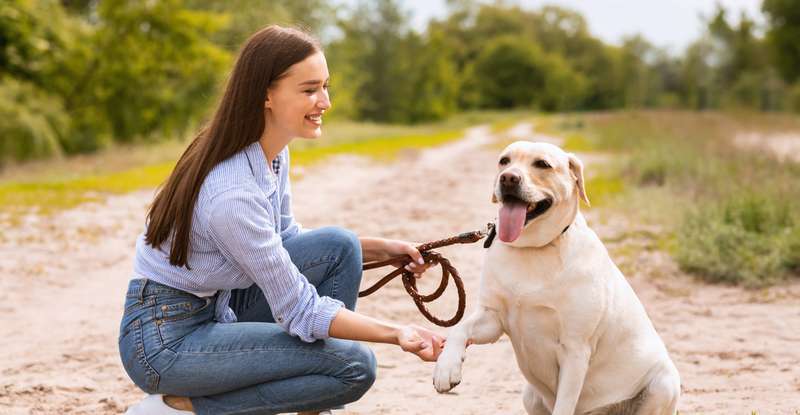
[(430, 257)]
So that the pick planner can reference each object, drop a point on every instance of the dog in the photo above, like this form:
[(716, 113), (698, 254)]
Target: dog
[(581, 337)]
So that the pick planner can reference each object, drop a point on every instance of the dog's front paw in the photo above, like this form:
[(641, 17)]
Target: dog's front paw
[(447, 373)]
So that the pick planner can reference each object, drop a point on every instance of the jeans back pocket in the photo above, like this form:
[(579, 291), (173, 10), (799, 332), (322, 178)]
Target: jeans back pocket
[(177, 317)]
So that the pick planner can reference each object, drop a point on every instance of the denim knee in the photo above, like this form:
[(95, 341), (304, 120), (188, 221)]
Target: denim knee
[(348, 247), (347, 242), (362, 370)]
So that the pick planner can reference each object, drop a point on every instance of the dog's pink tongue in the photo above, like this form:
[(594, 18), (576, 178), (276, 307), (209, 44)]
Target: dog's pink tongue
[(511, 221)]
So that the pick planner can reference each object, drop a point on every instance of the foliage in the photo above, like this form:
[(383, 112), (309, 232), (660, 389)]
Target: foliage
[(31, 121), (78, 75), (783, 35), (749, 239), (515, 73)]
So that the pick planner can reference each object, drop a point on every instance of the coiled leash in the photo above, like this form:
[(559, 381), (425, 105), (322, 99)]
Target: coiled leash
[(431, 257)]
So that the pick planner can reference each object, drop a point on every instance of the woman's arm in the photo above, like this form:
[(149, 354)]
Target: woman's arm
[(354, 326)]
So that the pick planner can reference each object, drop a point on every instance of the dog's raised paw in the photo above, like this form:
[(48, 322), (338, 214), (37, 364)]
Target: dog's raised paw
[(446, 375)]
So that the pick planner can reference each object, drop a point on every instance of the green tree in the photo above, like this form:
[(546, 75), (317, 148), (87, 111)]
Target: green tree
[(245, 17), (783, 36), (433, 82), (374, 46), (141, 68), (514, 73)]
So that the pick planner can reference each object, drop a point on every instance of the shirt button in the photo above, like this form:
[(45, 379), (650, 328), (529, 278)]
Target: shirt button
[(280, 320)]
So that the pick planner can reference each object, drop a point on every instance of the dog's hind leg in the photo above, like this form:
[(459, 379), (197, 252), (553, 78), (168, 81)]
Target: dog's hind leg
[(534, 405), (482, 326), (662, 393)]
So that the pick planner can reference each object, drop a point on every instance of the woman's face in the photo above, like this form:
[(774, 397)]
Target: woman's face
[(296, 102)]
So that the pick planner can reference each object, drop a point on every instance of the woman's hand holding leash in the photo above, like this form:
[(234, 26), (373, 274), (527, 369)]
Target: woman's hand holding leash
[(379, 249)]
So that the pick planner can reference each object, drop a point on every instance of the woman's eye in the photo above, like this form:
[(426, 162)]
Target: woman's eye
[(542, 164)]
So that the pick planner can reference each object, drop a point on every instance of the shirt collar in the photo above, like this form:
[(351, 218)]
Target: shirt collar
[(261, 169)]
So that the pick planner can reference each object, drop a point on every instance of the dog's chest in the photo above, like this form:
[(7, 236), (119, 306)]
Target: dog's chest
[(534, 331), (529, 291)]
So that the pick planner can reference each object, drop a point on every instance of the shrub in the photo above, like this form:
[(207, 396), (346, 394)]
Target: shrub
[(748, 238), (31, 122)]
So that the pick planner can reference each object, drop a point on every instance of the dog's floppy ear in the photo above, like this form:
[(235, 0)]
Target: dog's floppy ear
[(576, 170)]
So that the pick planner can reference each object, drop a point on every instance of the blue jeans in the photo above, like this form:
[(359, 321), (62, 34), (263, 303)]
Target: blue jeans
[(170, 343)]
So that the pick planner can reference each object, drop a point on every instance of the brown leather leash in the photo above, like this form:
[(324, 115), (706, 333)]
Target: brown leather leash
[(430, 257)]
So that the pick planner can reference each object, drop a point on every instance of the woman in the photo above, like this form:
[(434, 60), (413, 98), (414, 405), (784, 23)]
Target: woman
[(233, 307)]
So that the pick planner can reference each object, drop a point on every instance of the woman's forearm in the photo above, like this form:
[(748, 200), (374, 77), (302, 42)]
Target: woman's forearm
[(373, 249), (354, 326)]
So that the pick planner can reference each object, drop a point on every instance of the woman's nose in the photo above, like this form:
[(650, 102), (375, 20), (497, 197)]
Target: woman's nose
[(324, 101)]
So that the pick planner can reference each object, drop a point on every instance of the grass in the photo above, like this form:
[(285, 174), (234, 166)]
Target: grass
[(727, 208), (604, 187), (55, 194), (51, 185)]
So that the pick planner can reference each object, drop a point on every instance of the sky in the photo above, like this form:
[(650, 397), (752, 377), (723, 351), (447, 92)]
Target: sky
[(673, 24)]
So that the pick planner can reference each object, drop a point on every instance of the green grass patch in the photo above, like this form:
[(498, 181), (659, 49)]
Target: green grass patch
[(577, 143), (52, 195), (751, 240), (602, 188), (380, 148)]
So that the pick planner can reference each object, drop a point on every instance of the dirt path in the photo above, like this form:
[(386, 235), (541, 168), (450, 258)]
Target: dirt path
[(62, 280)]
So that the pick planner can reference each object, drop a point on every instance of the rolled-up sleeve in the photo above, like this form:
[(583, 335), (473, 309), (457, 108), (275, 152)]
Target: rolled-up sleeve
[(245, 233)]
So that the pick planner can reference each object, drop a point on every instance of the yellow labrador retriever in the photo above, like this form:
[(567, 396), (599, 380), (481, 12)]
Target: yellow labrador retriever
[(581, 337)]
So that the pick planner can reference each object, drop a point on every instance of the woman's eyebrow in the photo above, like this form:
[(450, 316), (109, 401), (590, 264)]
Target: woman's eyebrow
[(310, 82)]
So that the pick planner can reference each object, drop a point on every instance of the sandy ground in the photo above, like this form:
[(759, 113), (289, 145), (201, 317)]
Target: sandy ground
[(782, 146), (62, 280)]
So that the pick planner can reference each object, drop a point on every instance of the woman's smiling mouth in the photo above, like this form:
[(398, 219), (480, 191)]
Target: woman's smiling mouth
[(315, 119)]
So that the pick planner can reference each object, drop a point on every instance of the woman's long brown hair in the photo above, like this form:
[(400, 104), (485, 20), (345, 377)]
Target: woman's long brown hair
[(237, 122)]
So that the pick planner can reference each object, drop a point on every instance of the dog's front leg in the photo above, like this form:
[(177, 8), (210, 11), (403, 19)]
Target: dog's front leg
[(481, 327), (573, 361)]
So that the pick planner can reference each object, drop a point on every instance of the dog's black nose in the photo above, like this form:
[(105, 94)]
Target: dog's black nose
[(510, 178)]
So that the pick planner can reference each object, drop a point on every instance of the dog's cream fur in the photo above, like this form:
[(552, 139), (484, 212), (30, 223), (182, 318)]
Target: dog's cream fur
[(581, 337)]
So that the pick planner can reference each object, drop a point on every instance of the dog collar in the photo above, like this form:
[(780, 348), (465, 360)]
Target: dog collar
[(492, 233)]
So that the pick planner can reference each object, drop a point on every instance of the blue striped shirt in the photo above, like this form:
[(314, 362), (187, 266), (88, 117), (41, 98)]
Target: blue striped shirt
[(240, 220)]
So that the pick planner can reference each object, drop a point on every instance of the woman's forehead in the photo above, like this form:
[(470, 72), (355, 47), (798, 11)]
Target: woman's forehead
[(312, 68)]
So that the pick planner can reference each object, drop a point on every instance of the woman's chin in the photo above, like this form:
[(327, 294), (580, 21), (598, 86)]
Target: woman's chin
[(311, 134)]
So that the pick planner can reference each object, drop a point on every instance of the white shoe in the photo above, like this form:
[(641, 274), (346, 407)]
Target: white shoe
[(154, 405)]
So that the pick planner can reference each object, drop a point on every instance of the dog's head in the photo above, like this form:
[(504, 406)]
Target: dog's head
[(538, 186)]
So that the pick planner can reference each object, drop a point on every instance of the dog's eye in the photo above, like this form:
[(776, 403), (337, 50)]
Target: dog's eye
[(504, 161), (542, 164)]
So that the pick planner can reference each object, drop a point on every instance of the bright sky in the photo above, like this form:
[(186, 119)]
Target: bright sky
[(667, 23)]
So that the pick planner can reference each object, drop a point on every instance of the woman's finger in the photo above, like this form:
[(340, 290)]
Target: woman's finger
[(414, 254)]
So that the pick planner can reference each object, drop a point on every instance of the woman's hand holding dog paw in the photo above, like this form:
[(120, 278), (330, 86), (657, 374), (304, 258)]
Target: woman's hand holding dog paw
[(420, 341)]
